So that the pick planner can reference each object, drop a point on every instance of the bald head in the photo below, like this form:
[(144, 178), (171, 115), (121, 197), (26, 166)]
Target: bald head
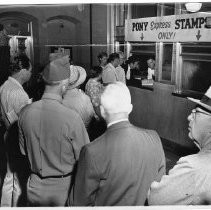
[(116, 99)]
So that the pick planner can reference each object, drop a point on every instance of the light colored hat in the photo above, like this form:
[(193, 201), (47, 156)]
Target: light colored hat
[(58, 68), (77, 76), (205, 101)]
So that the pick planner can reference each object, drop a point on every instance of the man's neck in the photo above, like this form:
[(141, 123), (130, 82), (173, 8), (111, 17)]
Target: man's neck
[(116, 117), (53, 90), (18, 78)]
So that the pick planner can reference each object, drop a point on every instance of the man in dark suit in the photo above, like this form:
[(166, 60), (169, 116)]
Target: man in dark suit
[(118, 168), (132, 71)]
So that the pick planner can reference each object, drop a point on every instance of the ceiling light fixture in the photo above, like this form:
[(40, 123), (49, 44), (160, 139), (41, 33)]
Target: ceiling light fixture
[(193, 6)]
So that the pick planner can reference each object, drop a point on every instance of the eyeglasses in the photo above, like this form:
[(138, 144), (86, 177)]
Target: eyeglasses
[(194, 111)]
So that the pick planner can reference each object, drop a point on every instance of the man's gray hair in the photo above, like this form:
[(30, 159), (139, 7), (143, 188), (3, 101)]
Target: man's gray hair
[(116, 98)]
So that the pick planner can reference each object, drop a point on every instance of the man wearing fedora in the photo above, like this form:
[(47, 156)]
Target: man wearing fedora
[(51, 135), (189, 182)]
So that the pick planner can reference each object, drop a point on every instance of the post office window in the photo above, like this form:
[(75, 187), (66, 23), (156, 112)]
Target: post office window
[(195, 68), (196, 75), (167, 62)]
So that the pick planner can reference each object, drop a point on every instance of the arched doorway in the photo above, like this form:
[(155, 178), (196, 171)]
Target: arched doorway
[(22, 28)]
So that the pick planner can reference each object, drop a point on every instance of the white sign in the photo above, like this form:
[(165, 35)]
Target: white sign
[(174, 28)]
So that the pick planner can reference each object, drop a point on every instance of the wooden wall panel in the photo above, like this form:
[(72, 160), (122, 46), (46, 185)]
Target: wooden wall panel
[(163, 112)]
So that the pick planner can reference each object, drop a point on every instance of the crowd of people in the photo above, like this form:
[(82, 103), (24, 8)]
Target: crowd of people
[(75, 147)]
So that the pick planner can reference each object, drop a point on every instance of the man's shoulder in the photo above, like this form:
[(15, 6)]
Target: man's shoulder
[(67, 113), (96, 144), (108, 68), (148, 132), (62, 112), (119, 68), (198, 160)]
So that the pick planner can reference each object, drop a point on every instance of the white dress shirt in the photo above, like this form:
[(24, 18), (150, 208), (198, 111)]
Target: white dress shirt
[(151, 72), (116, 121)]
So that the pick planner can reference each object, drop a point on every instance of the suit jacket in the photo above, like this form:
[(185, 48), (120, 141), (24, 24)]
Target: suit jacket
[(118, 167)]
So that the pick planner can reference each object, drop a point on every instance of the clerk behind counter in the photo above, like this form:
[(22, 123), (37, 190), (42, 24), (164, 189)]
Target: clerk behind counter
[(151, 68)]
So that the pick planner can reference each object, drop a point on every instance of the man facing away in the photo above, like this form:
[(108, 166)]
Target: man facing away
[(13, 99), (189, 182), (51, 137), (118, 168)]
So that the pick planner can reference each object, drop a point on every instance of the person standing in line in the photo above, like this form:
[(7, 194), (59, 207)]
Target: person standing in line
[(51, 135), (189, 181), (102, 58), (110, 74), (94, 88), (13, 99), (75, 98), (119, 69), (118, 168)]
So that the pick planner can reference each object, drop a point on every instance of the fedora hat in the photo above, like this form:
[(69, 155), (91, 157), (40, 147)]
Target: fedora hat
[(57, 69), (77, 76), (205, 100)]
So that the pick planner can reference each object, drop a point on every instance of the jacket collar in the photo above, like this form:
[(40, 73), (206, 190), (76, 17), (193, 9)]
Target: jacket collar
[(117, 121), (122, 124)]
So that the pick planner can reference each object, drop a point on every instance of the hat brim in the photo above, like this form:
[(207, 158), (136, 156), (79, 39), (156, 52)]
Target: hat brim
[(200, 103), (80, 79)]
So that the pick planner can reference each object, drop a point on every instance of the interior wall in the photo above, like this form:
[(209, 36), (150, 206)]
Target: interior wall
[(79, 37), (99, 30), (161, 111)]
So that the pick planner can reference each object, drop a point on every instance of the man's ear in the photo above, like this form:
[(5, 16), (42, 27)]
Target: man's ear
[(130, 108)]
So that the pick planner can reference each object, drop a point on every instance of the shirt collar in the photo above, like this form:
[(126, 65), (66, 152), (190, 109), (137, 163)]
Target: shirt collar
[(116, 121), (11, 79), (109, 64), (52, 96), (151, 69)]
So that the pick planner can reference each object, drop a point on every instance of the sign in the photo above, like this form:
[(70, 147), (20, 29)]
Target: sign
[(173, 28)]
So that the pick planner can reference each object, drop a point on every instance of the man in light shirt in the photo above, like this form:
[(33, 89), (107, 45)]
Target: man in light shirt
[(119, 69), (189, 181), (118, 167), (13, 99), (109, 74)]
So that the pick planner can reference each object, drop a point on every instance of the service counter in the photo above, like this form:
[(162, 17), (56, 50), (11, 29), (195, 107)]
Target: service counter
[(160, 110)]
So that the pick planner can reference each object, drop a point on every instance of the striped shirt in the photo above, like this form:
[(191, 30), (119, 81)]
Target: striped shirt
[(13, 99)]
